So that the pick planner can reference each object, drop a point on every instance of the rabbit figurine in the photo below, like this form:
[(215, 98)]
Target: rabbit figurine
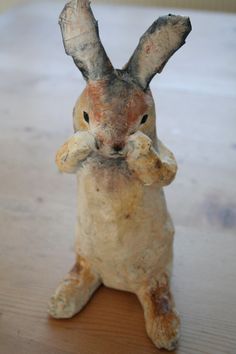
[(124, 236)]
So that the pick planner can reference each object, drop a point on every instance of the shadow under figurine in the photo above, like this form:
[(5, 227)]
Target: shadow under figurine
[(124, 232)]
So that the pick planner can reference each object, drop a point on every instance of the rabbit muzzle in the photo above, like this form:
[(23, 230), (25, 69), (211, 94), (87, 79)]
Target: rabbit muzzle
[(110, 149)]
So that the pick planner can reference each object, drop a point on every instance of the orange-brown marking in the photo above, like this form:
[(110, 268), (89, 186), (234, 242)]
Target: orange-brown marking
[(161, 320)]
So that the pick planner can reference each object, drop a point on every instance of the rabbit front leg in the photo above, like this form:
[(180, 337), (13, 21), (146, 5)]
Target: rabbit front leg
[(75, 149), (149, 165), (74, 291)]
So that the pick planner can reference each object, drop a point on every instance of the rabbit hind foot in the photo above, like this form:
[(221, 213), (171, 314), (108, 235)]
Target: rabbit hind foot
[(74, 291)]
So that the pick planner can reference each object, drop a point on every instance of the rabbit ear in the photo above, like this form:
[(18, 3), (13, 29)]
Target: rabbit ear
[(81, 40), (165, 36)]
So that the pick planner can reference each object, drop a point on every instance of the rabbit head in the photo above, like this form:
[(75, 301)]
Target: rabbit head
[(117, 103)]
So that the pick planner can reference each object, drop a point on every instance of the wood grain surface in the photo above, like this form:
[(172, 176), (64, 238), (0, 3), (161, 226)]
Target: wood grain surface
[(195, 97)]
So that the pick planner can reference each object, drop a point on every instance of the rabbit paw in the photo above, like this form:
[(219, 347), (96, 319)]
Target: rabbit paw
[(139, 144), (142, 158), (66, 301), (81, 145), (164, 330)]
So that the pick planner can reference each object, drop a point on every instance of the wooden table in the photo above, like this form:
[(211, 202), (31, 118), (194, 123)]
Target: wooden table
[(196, 97)]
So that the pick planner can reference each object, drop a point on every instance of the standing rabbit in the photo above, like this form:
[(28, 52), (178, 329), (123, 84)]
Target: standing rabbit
[(124, 232)]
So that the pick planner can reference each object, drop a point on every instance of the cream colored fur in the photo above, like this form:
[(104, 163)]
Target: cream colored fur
[(124, 236), (124, 231)]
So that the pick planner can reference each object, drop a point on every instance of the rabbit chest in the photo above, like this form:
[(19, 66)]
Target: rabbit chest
[(123, 227)]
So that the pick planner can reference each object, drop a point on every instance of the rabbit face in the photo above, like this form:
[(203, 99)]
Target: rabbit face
[(112, 110)]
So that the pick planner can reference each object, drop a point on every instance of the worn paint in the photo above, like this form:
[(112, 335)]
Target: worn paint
[(124, 235)]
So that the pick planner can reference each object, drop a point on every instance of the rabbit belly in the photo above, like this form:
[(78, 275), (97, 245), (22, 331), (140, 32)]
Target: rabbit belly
[(123, 227)]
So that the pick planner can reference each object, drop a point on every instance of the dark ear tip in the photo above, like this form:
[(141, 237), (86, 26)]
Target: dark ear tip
[(189, 24)]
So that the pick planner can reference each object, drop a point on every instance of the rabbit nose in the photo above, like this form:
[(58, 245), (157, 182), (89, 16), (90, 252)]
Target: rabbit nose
[(98, 143), (117, 147)]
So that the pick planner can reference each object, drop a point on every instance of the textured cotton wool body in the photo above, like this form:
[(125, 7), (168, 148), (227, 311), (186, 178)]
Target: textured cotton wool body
[(124, 234)]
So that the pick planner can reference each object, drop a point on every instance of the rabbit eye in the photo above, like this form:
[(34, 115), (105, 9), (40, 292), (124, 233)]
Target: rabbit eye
[(144, 119), (86, 117)]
